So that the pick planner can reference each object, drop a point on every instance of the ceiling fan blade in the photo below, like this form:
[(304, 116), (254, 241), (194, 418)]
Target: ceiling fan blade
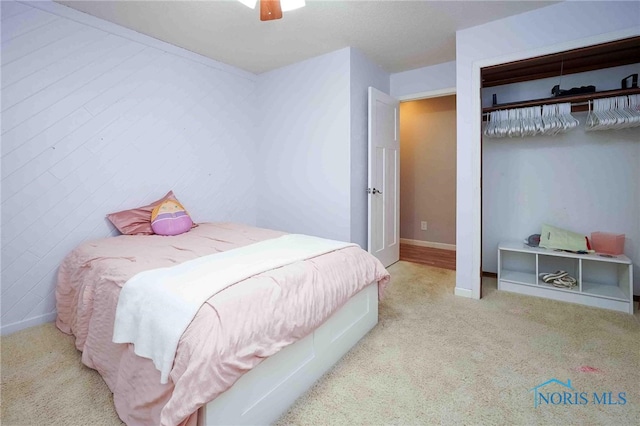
[(270, 9)]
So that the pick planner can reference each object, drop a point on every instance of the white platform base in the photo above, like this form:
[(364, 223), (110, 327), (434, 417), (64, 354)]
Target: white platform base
[(265, 393)]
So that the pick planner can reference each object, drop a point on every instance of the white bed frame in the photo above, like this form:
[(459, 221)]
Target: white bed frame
[(263, 394)]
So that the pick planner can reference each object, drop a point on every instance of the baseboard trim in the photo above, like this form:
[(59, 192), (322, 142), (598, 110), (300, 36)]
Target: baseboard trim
[(463, 292), (430, 244), (31, 322)]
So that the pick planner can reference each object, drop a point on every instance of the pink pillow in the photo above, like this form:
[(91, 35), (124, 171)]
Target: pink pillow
[(137, 221), (170, 218)]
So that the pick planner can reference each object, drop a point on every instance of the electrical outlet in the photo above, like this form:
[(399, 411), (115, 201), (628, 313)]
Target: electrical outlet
[(423, 225)]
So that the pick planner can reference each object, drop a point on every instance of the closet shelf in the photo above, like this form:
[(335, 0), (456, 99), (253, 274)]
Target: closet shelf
[(579, 101)]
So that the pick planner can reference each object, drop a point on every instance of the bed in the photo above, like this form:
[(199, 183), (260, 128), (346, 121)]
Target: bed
[(250, 350)]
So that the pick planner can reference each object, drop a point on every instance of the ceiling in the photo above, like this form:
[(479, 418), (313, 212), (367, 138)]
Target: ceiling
[(397, 35)]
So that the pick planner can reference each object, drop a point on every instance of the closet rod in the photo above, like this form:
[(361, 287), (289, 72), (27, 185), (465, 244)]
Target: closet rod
[(580, 101)]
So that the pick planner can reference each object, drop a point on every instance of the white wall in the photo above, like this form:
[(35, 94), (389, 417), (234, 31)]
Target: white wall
[(426, 79), (581, 181), (518, 37), (364, 73), (304, 146), (97, 118), (313, 144)]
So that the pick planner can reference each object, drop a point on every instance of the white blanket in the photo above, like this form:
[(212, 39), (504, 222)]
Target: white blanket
[(155, 307)]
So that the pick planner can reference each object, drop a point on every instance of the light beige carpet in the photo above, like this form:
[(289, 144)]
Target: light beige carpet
[(433, 359)]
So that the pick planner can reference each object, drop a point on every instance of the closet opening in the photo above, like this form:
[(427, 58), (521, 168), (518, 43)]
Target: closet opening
[(571, 177), (428, 181)]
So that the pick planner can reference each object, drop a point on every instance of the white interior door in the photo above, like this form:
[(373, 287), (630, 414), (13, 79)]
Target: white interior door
[(384, 177)]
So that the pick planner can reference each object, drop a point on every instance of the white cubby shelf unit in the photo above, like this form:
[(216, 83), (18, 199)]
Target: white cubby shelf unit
[(603, 282)]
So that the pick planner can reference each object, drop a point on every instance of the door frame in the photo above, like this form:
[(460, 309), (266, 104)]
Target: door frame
[(372, 122), (438, 93), (476, 129), (447, 91)]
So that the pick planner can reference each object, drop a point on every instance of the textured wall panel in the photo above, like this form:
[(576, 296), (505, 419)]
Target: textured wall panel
[(94, 122)]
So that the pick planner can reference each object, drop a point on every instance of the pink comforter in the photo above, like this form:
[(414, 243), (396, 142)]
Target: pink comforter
[(232, 332)]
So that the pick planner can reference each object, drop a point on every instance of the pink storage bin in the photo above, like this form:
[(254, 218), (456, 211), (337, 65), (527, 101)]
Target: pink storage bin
[(603, 242)]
